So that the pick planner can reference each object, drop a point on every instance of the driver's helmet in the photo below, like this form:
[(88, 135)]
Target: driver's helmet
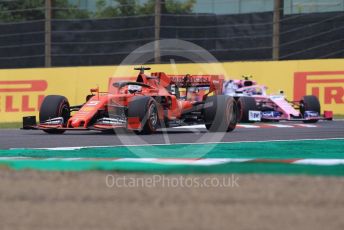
[(229, 88), (134, 88)]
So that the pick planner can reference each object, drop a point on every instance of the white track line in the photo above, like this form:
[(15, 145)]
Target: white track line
[(66, 148), (248, 126), (190, 127), (307, 125), (203, 143), (203, 127), (205, 161), (181, 161), (320, 161), (72, 159), (280, 126), (13, 158)]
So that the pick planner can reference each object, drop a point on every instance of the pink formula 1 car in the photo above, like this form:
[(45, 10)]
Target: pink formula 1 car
[(254, 104)]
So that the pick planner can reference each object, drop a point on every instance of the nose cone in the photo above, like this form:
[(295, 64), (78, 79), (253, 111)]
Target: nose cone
[(76, 123)]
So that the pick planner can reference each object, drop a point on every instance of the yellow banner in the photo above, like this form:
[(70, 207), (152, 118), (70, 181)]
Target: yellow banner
[(22, 90)]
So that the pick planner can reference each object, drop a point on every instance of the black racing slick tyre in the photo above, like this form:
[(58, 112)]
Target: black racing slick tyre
[(54, 106), (310, 103), (245, 104), (146, 109), (220, 113)]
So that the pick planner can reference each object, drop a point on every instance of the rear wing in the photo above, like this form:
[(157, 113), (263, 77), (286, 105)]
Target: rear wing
[(215, 82)]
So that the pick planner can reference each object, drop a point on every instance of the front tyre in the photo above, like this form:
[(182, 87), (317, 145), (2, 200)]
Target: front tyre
[(146, 110), (220, 113), (310, 103), (245, 104), (54, 106)]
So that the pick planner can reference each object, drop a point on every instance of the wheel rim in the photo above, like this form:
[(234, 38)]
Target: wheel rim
[(302, 108), (231, 111), (234, 117), (65, 112), (153, 115), (240, 113)]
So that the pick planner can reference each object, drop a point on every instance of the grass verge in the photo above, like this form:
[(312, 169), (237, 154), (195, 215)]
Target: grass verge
[(10, 125), (339, 116)]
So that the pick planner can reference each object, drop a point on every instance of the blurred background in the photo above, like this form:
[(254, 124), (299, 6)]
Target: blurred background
[(44, 33)]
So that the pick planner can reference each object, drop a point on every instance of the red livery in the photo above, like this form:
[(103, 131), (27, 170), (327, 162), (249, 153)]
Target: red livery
[(151, 102)]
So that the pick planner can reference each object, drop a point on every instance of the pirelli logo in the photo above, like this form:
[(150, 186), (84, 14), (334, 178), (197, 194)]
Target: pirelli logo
[(22, 95), (328, 86)]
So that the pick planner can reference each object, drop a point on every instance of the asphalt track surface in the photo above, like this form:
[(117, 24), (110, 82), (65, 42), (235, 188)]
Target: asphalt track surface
[(16, 138)]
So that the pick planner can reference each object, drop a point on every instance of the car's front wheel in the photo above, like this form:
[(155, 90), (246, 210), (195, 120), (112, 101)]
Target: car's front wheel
[(245, 104), (54, 106), (146, 110), (310, 103), (220, 113)]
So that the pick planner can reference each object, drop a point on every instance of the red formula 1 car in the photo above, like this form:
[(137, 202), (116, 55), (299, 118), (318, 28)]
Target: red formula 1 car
[(144, 105), (254, 104)]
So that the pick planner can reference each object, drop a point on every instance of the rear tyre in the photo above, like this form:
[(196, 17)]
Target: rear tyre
[(146, 109), (54, 106), (310, 103), (245, 104), (220, 113)]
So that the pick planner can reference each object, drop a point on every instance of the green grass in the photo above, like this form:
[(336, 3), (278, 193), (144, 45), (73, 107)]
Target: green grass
[(10, 125), (271, 162), (339, 116)]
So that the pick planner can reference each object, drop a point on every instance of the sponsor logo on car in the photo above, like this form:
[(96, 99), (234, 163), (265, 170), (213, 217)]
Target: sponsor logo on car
[(92, 103)]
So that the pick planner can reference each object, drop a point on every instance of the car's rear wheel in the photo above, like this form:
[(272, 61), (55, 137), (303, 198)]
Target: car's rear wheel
[(146, 110), (220, 113), (245, 104), (310, 103), (54, 106)]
